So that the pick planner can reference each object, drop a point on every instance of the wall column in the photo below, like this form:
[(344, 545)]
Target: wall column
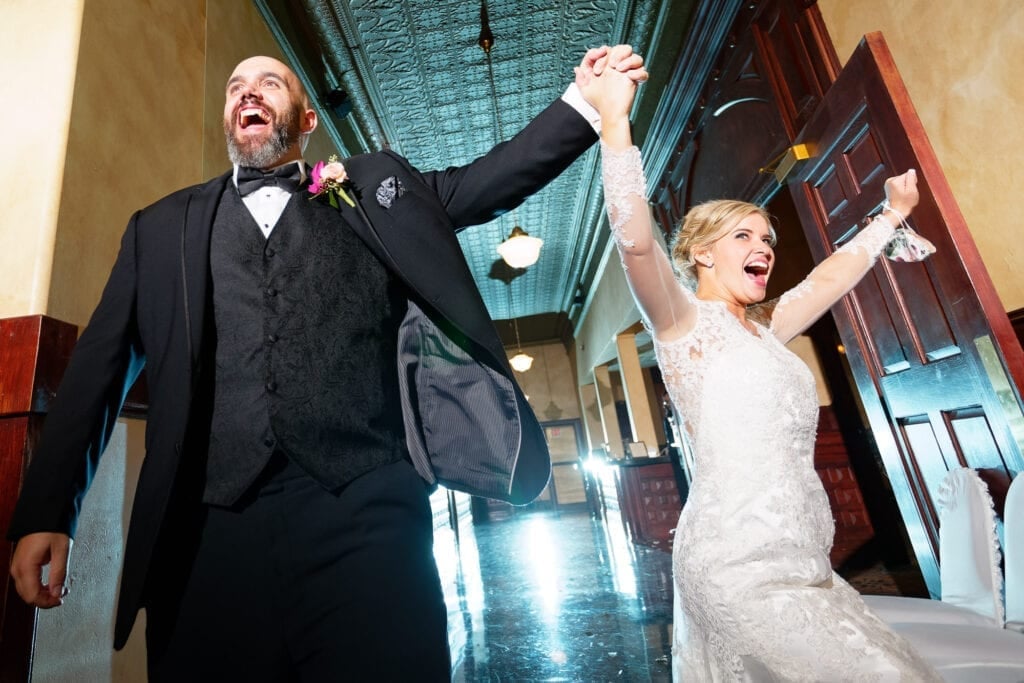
[(609, 417), (591, 412), (640, 416)]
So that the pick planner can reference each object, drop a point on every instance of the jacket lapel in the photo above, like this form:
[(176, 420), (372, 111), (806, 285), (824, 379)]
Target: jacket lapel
[(197, 224)]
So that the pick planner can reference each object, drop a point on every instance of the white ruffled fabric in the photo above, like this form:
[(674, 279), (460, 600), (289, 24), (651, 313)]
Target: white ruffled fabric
[(1013, 528), (967, 533)]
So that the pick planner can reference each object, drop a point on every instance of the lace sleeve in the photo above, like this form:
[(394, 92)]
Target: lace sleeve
[(648, 269), (624, 187), (801, 306)]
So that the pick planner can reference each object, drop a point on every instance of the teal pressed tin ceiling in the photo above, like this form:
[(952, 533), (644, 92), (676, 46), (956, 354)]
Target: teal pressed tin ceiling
[(418, 83)]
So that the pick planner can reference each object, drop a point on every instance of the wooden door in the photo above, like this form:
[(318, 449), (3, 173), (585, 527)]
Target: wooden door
[(934, 357), (565, 443)]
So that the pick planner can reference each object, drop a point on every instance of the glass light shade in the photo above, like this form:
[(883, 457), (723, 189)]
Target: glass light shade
[(520, 250), (521, 362)]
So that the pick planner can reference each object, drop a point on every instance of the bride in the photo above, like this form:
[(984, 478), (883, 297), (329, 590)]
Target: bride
[(756, 596)]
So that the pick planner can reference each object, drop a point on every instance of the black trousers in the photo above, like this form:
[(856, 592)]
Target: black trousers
[(300, 584)]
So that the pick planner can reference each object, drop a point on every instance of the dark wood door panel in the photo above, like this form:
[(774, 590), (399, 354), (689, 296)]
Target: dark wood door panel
[(802, 61), (912, 331), (741, 108), (899, 304), (921, 308), (969, 427), (947, 385)]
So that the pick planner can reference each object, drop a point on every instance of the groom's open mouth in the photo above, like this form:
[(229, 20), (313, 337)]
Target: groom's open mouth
[(757, 271), (252, 116)]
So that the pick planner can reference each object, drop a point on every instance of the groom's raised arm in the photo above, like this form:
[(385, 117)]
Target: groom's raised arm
[(512, 171)]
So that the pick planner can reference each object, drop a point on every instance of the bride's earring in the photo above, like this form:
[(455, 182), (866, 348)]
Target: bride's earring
[(709, 263)]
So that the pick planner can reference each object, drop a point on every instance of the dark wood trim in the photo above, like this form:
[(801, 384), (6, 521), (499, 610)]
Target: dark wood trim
[(854, 530), (708, 32), (1017, 322), (34, 352), (769, 53), (649, 500)]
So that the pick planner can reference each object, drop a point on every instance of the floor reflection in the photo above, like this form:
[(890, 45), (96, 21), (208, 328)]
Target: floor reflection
[(555, 596)]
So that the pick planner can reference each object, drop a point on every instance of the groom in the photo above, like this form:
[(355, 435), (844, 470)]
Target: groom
[(314, 368)]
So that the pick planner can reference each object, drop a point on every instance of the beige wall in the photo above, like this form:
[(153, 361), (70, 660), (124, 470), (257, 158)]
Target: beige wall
[(39, 51), (961, 64), (146, 119), (550, 385), (609, 310), (136, 134)]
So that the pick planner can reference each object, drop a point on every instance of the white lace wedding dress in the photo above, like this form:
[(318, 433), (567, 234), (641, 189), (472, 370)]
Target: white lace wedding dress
[(756, 597)]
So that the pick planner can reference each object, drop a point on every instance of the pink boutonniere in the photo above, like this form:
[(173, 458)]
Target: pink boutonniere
[(330, 179)]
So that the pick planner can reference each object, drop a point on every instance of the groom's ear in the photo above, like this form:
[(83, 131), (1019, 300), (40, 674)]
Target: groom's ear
[(309, 121)]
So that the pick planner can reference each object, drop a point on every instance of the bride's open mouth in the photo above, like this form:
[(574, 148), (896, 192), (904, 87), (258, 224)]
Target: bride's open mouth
[(757, 271)]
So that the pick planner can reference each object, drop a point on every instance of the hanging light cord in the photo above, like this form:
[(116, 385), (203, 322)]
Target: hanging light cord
[(486, 42)]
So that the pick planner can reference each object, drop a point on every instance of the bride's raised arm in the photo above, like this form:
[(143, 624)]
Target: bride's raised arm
[(648, 270), (801, 306)]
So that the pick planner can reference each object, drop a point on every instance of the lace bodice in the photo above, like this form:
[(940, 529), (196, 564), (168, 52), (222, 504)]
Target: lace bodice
[(757, 599), (720, 376)]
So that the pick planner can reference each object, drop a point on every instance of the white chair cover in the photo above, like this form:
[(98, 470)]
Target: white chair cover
[(1013, 528), (968, 546), (968, 654), (894, 609), (969, 562)]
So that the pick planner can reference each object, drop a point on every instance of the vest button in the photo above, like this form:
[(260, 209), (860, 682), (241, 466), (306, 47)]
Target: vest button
[(271, 291), (270, 252), (268, 442), (271, 386), (272, 338)]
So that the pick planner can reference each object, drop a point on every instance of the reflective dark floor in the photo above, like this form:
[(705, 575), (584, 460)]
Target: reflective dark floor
[(555, 596)]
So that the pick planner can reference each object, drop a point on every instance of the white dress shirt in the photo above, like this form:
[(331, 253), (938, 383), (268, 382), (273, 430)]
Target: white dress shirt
[(267, 203)]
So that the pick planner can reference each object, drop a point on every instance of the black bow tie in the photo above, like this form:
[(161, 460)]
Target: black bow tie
[(287, 177)]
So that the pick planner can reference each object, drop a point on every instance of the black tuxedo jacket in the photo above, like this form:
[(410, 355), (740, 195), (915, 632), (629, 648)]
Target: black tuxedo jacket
[(154, 313)]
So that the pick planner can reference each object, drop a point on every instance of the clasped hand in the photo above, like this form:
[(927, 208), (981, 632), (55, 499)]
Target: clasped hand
[(607, 77)]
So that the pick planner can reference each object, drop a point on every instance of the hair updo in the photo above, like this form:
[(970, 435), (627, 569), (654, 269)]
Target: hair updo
[(705, 224)]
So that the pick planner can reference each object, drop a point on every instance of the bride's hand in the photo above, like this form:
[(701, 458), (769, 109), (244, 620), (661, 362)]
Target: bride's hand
[(901, 192)]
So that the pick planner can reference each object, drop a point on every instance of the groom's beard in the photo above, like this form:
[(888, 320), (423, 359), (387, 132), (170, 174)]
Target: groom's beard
[(263, 153)]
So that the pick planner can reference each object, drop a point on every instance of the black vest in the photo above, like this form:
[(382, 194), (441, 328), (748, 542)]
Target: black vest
[(305, 361)]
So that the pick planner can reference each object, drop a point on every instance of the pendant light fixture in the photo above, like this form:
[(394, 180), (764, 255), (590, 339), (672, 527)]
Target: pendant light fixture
[(519, 250)]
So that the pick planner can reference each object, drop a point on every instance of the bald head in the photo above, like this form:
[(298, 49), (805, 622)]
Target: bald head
[(267, 117), (269, 66)]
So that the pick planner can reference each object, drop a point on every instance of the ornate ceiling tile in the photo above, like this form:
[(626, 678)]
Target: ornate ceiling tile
[(419, 84)]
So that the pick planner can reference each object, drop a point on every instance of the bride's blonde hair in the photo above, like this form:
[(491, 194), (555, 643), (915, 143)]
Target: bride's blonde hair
[(705, 224)]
